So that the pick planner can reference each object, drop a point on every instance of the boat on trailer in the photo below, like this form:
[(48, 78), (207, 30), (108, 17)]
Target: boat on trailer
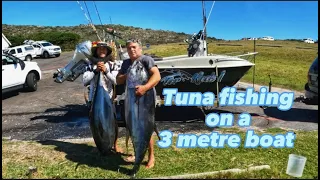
[(197, 71)]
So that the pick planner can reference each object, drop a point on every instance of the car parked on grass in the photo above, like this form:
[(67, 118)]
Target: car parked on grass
[(311, 87), (18, 74)]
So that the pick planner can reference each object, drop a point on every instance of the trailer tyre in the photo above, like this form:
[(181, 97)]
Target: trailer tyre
[(32, 82)]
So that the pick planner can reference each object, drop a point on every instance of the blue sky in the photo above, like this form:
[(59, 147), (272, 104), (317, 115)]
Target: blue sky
[(228, 20)]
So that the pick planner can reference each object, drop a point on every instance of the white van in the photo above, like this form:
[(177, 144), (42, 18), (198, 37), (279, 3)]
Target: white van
[(23, 52)]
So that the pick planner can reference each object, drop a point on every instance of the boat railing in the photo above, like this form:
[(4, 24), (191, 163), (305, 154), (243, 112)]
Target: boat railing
[(247, 54)]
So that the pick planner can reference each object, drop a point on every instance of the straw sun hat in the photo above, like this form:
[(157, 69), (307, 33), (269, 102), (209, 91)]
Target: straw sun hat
[(96, 44)]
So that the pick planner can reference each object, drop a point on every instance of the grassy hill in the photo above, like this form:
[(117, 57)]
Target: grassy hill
[(86, 32), (287, 61)]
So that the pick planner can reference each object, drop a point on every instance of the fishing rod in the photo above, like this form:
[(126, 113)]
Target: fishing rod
[(97, 13), (205, 19), (103, 32), (110, 31), (89, 20)]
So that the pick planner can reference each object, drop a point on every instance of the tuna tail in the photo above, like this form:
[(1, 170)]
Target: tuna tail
[(134, 171), (138, 160)]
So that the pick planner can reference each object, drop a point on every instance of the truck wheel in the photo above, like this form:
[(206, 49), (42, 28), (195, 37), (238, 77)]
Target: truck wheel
[(46, 54), (31, 82), (57, 55), (28, 58)]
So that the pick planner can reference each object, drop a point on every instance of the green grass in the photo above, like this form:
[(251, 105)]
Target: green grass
[(57, 159), (287, 65)]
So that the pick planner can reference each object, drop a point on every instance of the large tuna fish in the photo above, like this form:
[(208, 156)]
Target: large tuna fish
[(101, 117), (139, 112)]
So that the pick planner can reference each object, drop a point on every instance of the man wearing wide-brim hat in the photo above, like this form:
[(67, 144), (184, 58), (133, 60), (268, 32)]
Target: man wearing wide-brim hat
[(102, 61), (98, 47)]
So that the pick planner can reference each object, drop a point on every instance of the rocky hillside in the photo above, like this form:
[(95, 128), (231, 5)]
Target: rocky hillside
[(86, 32)]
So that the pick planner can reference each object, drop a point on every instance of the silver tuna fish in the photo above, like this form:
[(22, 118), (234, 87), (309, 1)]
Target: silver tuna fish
[(139, 112), (101, 117)]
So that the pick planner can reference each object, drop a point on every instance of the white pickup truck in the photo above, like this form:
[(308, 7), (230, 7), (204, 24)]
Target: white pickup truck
[(44, 49), (23, 52), (18, 74)]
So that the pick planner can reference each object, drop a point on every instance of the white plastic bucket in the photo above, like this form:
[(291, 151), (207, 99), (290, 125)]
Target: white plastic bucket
[(296, 165)]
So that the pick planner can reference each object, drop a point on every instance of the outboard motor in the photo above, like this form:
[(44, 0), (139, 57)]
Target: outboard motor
[(193, 48), (197, 46), (77, 65)]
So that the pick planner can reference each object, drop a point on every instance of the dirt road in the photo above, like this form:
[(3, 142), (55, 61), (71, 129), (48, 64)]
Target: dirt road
[(57, 111)]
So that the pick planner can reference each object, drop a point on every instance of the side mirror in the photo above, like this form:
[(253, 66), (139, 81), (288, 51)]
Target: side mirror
[(22, 64)]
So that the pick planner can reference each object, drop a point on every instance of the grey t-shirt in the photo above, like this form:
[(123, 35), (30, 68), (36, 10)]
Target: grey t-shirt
[(147, 61)]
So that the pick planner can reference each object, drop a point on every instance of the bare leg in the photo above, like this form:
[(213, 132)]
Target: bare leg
[(151, 159), (86, 95), (116, 147)]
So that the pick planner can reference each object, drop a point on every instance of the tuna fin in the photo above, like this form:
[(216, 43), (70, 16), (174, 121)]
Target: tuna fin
[(132, 175), (157, 132)]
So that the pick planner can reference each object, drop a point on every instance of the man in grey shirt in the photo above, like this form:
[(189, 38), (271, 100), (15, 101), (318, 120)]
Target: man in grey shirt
[(134, 49)]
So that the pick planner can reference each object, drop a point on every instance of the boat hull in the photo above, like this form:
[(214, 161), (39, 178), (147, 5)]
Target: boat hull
[(200, 79), (197, 79)]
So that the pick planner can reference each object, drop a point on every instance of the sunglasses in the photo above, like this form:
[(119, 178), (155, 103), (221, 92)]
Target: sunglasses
[(98, 43), (133, 41)]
